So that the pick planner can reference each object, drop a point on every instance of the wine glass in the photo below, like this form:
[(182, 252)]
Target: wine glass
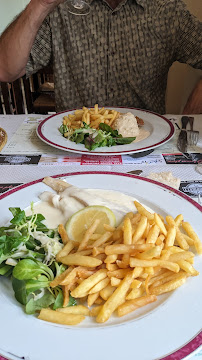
[(78, 7)]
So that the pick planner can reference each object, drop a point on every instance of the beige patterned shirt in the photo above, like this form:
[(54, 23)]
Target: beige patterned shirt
[(116, 58)]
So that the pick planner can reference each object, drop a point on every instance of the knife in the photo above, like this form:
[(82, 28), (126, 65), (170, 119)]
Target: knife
[(135, 172), (182, 138)]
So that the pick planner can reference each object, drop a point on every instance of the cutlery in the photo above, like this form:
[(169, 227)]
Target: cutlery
[(182, 138), (192, 135), (135, 172)]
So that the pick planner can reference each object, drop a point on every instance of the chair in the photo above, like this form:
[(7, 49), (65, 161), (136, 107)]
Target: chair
[(43, 83), (16, 97), (32, 95)]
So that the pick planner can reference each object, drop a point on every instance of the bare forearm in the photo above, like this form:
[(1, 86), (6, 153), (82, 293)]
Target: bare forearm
[(194, 103), (16, 42)]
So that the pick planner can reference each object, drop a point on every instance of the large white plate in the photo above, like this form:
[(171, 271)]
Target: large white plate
[(171, 326), (161, 130)]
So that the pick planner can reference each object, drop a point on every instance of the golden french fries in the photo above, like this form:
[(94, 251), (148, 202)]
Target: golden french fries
[(79, 309), (63, 233), (65, 290), (140, 229), (115, 299), (132, 305), (83, 260), (177, 281), (60, 277), (65, 250), (126, 267), (60, 318), (141, 210), (191, 233), (92, 117), (89, 283), (88, 234)]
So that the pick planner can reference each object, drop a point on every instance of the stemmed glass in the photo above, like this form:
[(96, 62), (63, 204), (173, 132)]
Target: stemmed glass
[(78, 7)]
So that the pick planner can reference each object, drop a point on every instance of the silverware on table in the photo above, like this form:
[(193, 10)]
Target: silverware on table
[(135, 172), (182, 138), (192, 135)]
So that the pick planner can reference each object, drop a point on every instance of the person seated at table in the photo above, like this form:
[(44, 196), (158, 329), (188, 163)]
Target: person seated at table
[(118, 54)]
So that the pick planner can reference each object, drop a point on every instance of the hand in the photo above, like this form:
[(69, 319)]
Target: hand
[(50, 4)]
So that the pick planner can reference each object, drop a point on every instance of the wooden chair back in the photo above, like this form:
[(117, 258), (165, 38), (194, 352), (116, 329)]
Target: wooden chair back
[(16, 97), (23, 96)]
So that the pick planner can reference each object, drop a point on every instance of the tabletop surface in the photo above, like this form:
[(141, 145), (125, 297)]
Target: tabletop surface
[(25, 158)]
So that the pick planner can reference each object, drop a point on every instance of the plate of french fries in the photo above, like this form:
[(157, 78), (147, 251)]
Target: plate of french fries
[(52, 130), (137, 284)]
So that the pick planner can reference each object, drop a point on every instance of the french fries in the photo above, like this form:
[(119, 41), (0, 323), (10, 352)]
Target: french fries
[(92, 117), (115, 299), (132, 305), (79, 310), (125, 268), (63, 233), (76, 259), (60, 318), (89, 283)]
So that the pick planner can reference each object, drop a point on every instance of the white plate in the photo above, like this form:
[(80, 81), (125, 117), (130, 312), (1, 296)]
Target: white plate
[(161, 130), (153, 332)]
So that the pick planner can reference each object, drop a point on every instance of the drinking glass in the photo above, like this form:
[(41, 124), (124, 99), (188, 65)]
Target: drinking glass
[(78, 7)]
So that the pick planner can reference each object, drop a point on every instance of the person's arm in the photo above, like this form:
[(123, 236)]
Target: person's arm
[(194, 102), (17, 40)]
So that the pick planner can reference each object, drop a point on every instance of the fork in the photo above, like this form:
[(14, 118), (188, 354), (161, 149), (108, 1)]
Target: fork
[(192, 135)]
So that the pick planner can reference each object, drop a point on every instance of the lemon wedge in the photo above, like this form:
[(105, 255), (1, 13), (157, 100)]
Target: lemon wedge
[(78, 223)]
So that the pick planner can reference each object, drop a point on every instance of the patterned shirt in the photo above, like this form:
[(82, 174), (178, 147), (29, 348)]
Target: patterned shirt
[(116, 57)]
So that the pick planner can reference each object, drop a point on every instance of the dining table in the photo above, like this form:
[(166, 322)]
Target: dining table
[(26, 158)]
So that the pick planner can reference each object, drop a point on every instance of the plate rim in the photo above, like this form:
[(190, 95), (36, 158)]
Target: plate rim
[(196, 341), (124, 152), (167, 187)]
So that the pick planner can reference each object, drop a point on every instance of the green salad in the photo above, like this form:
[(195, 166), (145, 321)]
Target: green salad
[(27, 255), (93, 138)]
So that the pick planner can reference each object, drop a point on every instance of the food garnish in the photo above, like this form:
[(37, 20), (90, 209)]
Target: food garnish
[(82, 220)]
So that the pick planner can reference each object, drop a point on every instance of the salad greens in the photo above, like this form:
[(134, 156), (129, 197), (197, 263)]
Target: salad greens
[(27, 254), (93, 138), (27, 236)]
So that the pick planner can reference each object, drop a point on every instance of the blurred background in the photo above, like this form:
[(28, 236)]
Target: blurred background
[(181, 80)]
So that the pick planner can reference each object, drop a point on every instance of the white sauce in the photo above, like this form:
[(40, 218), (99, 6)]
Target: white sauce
[(143, 134), (58, 208)]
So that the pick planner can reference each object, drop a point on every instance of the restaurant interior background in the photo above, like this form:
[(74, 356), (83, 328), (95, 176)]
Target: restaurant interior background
[(181, 80)]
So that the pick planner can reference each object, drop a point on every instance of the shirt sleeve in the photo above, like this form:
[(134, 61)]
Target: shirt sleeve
[(41, 52), (188, 43)]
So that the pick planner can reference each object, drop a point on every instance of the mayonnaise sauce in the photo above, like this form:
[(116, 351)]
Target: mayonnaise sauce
[(58, 208), (143, 134)]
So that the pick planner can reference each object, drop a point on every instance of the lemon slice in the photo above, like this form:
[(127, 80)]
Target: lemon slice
[(78, 223)]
